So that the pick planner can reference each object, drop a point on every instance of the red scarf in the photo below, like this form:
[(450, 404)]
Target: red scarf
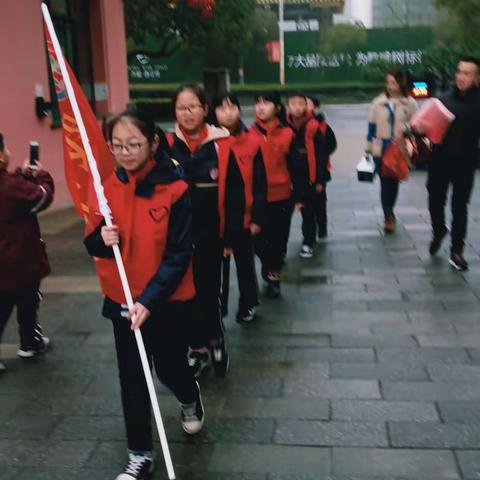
[(195, 143), (268, 127), (298, 123)]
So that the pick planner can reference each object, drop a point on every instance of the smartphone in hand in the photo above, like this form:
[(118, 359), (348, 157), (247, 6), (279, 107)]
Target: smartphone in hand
[(34, 153)]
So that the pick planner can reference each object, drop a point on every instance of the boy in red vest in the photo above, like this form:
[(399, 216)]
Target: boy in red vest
[(310, 143)]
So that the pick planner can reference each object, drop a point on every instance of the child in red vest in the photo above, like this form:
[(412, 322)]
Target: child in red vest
[(310, 143), (23, 258), (287, 185), (203, 151), (248, 201), (152, 218)]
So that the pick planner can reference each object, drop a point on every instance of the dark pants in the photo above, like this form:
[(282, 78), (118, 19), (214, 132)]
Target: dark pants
[(314, 214), (440, 175), (207, 271), (243, 253), (388, 195), (388, 190), (26, 299), (166, 345), (271, 245)]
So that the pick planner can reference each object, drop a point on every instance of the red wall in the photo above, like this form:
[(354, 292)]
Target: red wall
[(24, 65)]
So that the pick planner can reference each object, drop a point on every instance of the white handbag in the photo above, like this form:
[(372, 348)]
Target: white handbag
[(366, 169)]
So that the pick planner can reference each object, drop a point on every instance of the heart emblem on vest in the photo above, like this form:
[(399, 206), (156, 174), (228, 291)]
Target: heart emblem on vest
[(158, 214), (214, 173)]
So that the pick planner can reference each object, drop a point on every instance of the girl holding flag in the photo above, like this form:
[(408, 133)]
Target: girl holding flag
[(153, 227)]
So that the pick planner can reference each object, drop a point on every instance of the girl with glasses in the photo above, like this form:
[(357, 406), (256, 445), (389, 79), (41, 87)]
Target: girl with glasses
[(152, 218)]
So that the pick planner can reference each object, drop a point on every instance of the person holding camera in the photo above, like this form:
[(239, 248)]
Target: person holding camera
[(23, 258)]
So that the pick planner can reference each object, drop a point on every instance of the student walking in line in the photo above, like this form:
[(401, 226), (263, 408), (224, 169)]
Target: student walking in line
[(203, 152), (23, 258), (248, 198), (151, 210), (287, 185), (330, 147), (389, 112), (311, 145), (454, 161)]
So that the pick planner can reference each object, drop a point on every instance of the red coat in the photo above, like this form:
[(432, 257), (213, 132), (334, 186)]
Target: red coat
[(23, 257)]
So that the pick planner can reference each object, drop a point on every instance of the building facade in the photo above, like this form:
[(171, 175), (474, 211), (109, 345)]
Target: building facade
[(92, 34)]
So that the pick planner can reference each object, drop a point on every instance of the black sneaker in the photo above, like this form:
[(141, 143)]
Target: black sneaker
[(198, 361), (138, 468), (42, 344), (273, 289), (193, 415), (220, 358), (458, 262), (246, 315), (436, 242)]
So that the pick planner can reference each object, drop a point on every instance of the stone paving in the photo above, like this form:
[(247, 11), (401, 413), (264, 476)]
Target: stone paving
[(368, 368)]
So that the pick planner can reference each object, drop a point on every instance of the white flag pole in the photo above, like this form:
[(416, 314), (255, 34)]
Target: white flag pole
[(106, 212)]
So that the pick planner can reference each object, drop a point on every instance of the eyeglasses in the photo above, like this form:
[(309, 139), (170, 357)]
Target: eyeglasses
[(130, 148), (189, 108)]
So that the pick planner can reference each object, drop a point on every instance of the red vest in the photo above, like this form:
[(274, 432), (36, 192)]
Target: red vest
[(143, 224), (275, 147), (244, 150)]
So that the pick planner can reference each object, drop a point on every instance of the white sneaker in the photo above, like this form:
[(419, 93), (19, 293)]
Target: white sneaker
[(3, 367), (193, 415), (306, 252), (29, 352)]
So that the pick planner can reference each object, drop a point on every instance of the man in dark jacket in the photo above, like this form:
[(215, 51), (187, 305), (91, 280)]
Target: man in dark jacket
[(454, 161), (23, 259)]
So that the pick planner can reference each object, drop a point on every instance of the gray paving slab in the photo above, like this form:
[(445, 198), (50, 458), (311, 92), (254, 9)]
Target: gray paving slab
[(276, 459), (409, 463), (383, 411), (333, 433)]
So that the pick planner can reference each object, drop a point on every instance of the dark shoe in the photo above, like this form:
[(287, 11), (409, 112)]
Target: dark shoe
[(220, 358), (436, 242), (246, 315), (273, 289), (42, 344), (138, 468), (389, 225), (306, 251), (458, 262), (193, 415), (3, 367), (198, 361)]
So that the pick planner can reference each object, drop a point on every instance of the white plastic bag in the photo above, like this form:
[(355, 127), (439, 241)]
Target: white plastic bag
[(366, 169)]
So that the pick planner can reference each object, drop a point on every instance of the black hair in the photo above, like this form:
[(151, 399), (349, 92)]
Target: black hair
[(229, 97), (315, 101), (401, 79), (196, 89), (269, 96), (2, 144), (141, 120), (297, 93), (471, 59)]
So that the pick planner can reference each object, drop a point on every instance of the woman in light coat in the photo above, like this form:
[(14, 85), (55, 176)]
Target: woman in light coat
[(389, 112)]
